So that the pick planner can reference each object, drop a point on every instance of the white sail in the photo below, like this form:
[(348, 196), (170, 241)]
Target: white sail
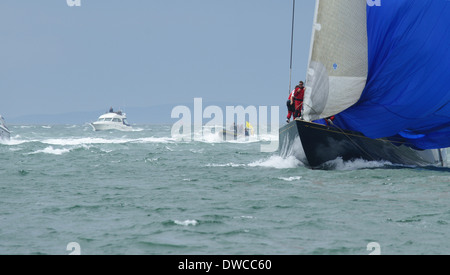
[(338, 63)]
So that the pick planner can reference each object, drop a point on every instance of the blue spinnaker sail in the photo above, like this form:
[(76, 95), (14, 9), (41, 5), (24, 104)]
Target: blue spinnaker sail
[(407, 94)]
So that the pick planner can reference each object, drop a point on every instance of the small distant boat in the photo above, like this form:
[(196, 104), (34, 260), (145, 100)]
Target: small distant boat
[(4, 131), (236, 132), (112, 121)]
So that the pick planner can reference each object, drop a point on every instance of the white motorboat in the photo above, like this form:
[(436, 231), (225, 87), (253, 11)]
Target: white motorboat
[(112, 121), (4, 131)]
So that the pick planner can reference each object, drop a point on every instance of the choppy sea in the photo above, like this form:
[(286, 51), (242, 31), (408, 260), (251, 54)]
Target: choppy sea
[(145, 192)]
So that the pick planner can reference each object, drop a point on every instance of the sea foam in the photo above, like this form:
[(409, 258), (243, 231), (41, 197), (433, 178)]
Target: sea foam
[(277, 162), (290, 178), (52, 151), (186, 222), (340, 164)]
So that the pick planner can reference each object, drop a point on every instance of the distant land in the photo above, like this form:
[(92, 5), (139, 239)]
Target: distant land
[(160, 114)]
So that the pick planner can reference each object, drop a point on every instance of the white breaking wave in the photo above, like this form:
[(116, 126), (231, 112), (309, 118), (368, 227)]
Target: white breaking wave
[(230, 164), (81, 141), (213, 134), (277, 162), (52, 151), (195, 151), (87, 141), (153, 140), (14, 141), (272, 162), (290, 178), (340, 164), (186, 222)]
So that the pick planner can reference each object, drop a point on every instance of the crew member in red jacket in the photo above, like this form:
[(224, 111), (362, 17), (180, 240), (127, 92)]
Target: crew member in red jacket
[(297, 99), (290, 107)]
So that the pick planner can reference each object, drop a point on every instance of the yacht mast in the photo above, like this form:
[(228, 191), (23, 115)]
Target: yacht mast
[(292, 43)]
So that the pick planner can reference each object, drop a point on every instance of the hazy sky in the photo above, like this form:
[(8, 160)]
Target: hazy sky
[(137, 53)]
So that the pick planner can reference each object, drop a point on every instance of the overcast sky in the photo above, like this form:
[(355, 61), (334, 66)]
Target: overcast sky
[(138, 53)]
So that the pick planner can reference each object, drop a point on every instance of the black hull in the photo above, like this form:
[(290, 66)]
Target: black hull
[(315, 144)]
